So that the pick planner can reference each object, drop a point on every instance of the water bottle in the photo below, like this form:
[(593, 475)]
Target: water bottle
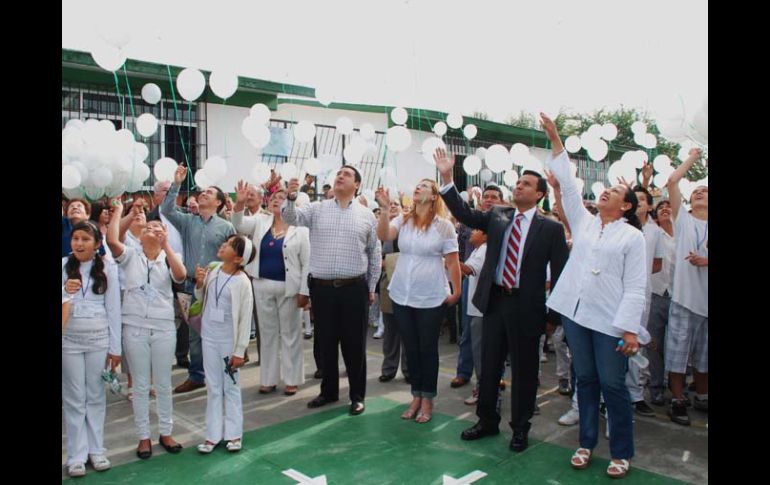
[(640, 360)]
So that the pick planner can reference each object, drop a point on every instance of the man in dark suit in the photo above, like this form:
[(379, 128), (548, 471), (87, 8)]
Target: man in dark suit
[(510, 294)]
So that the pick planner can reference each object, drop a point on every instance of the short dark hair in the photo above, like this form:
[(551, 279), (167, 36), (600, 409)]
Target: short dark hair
[(542, 185), (220, 196), (647, 194), (496, 189), (326, 187)]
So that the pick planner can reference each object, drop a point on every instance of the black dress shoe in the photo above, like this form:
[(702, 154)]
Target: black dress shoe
[(318, 374), (174, 449), (320, 401), (387, 377), (356, 408), (519, 441), (478, 431)]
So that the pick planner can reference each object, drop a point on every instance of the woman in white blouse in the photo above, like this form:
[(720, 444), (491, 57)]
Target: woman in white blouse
[(279, 272), (419, 287), (149, 332), (601, 297)]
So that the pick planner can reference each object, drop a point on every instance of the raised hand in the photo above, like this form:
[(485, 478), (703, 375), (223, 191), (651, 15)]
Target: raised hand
[(552, 180), (292, 189), (241, 191), (382, 198), (180, 174)]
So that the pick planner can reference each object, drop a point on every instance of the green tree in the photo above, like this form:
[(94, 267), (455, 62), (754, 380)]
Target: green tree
[(480, 115)]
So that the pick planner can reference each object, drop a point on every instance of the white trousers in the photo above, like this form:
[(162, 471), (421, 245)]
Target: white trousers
[(224, 408), (280, 325), (85, 403), (306, 319), (563, 357), (150, 353)]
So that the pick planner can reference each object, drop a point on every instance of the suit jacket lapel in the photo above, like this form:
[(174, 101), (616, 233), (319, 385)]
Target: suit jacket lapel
[(534, 228)]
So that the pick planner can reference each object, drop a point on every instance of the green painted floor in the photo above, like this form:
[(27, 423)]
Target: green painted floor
[(374, 448)]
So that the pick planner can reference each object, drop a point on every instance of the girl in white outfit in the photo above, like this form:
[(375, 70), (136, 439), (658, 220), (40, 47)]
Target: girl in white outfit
[(225, 290), (91, 338), (149, 332)]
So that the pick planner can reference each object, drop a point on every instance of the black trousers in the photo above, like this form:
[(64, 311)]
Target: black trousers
[(501, 336), (341, 316)]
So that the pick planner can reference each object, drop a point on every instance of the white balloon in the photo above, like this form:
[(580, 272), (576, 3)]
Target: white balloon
[(289, 171), (190, 83), (101, 177), (74, 144), (628, 158), (609, 131), (642, 156), (638, 127), (216, 168), (304, 131), (481, 152), (595, 130), (260, 173), (597, 188), (107, 126), (472, 164), (498, 159), (470, 131), (75, 124), (454, 120), (139, 152), (464, 195), (146, 125), (684, 150), (533, 164), (201, 179), (109, 58), (429, 146), (164, 169), (399, 116), (353, 153), (620, 170), (510, 177), (82, 170), (94, 192), (639, 138), (261, 137), (223, 83), (344, 125), (673, 129), (312, 166), (660, 179), (700, 123), (440, 128), (151, 93), (649, 141), (519, 153), (260, 113), (398, 138), (367, 131), (598, 150), (139, 173), (70, 177), (486, 175), (661, 162), (572, 144)]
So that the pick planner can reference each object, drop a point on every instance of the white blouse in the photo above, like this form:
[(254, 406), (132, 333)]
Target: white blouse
[(419, 280), (603, 284)]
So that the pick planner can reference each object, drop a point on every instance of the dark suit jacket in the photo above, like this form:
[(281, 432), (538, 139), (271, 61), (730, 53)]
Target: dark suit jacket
[(545, 243)]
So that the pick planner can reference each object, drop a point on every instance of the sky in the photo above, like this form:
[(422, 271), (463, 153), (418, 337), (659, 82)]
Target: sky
[(498, 57)]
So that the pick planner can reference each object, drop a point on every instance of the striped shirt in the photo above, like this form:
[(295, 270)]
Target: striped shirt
[(343, 240)]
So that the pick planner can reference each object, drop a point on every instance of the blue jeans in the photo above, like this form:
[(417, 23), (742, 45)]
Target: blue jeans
[(600, 368), (465, 358), (419, 329), (195, 371)]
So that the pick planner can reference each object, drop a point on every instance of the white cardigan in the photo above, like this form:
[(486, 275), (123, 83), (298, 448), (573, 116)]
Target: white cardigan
[(242, 301), (296, 249)]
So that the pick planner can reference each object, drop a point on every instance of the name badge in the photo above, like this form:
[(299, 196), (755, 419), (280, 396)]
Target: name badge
[(217, 315), (149, 292), (84, 309)]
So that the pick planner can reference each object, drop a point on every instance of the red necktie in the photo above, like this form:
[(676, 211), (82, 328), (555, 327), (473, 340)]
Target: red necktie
[(512, 256)]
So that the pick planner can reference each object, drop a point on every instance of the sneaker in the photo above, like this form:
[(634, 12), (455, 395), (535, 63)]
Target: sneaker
[(700, 404), (643, 409), (678, 413), (378, 334), (657, 398), (308, 335), (100, 462), (76, 470), (564, 388), (570, 418)]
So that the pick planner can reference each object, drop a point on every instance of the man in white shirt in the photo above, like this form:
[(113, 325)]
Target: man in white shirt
[(687, 333)]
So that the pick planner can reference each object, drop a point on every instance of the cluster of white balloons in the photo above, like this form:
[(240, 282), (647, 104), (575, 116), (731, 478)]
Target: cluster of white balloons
[(98, 160), (593, 140), (641, 137), (191, 82), (362, 143), (694, 128), (254, 127)]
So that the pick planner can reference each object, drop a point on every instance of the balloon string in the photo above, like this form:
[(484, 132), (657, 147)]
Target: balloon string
[(179, 128), (120, 98), (130, 95)]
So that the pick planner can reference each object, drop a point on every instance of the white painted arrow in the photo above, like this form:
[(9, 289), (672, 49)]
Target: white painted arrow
[(304, 479), (469, 478)]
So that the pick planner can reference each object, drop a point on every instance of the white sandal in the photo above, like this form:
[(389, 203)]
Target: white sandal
[(581, 458), (618, 470), (234, 445), (206, 447)]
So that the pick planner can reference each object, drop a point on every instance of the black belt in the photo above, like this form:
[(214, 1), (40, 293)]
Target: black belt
[(505, 291), (339, 282)]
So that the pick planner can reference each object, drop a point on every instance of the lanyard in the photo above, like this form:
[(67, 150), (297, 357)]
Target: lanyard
[(217, 291), (83, 289)]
